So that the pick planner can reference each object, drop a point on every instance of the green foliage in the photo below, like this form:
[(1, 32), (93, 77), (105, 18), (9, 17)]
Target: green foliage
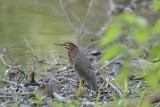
[(125, 73), (38, 99), (57, 104), (98, 96), (153, 75), (15, 105), (155, 29), (115, 31), (156, 5), (140, 33), (155, 51), (112, 52), (145, 104), (152, 79), (123, 77), (136, 28), (81, 90), (74, 103), (130, 19), (141, 36)]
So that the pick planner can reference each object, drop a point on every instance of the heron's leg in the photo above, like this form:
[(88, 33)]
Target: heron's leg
[(82, 83), (82, 87)]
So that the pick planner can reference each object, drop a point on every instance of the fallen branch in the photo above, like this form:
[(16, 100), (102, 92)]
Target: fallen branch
[(60, 98), (108, 63), (89, 8), (32, 50)]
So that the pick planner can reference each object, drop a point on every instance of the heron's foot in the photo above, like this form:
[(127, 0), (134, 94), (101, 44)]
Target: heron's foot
[(82, 83), (82, 88)]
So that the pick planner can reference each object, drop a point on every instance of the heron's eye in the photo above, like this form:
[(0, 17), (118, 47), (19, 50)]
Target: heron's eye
[(67, 46)]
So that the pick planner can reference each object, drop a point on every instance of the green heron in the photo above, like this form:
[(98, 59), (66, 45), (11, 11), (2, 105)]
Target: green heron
[(81, 65)]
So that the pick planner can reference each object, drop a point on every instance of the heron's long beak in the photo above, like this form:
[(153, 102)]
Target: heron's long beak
[(58, 44), (63, 45)]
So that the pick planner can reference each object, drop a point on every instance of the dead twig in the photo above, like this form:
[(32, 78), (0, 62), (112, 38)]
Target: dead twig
[(88, 104), (103, 84), (60, 98), (10, 66), (108, 63), (6, 82), (6, 51), (91, 44), (89, 8), (19, 67), (16, 93), (108, 23), (115, 88), (67, 16), (62, 71), (32, 50)]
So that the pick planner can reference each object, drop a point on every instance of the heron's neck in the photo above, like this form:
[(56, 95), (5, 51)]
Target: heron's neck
[(72, 54)]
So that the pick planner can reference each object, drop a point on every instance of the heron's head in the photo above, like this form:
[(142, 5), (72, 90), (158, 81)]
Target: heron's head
[(68, 45)]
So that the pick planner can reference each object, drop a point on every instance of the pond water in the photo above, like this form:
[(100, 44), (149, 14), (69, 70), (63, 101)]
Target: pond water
[(43, 22)]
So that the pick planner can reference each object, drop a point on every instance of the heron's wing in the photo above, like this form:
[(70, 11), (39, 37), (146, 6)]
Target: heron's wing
[(83, 66)]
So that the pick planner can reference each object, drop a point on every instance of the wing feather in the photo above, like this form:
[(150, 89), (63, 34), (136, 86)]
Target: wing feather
[(83, 66)]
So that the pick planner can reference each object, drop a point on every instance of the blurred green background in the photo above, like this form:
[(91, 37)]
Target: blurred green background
[(43, 22)]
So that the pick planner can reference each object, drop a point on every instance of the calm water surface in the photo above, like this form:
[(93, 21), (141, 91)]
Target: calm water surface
[(43, 22), (38, 22)]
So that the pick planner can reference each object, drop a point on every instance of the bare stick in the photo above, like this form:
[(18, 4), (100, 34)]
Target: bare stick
[(89, 8), (10, 57), (105, 65), (16, 93), (102, 85), (106, 25), (116, 88), (61, 4), (1, 58), (28, 45), (92, 43), (77, 18), (60, 98)]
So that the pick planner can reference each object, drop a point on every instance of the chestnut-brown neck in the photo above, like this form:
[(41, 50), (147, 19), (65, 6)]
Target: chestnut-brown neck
[(72, 54)]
